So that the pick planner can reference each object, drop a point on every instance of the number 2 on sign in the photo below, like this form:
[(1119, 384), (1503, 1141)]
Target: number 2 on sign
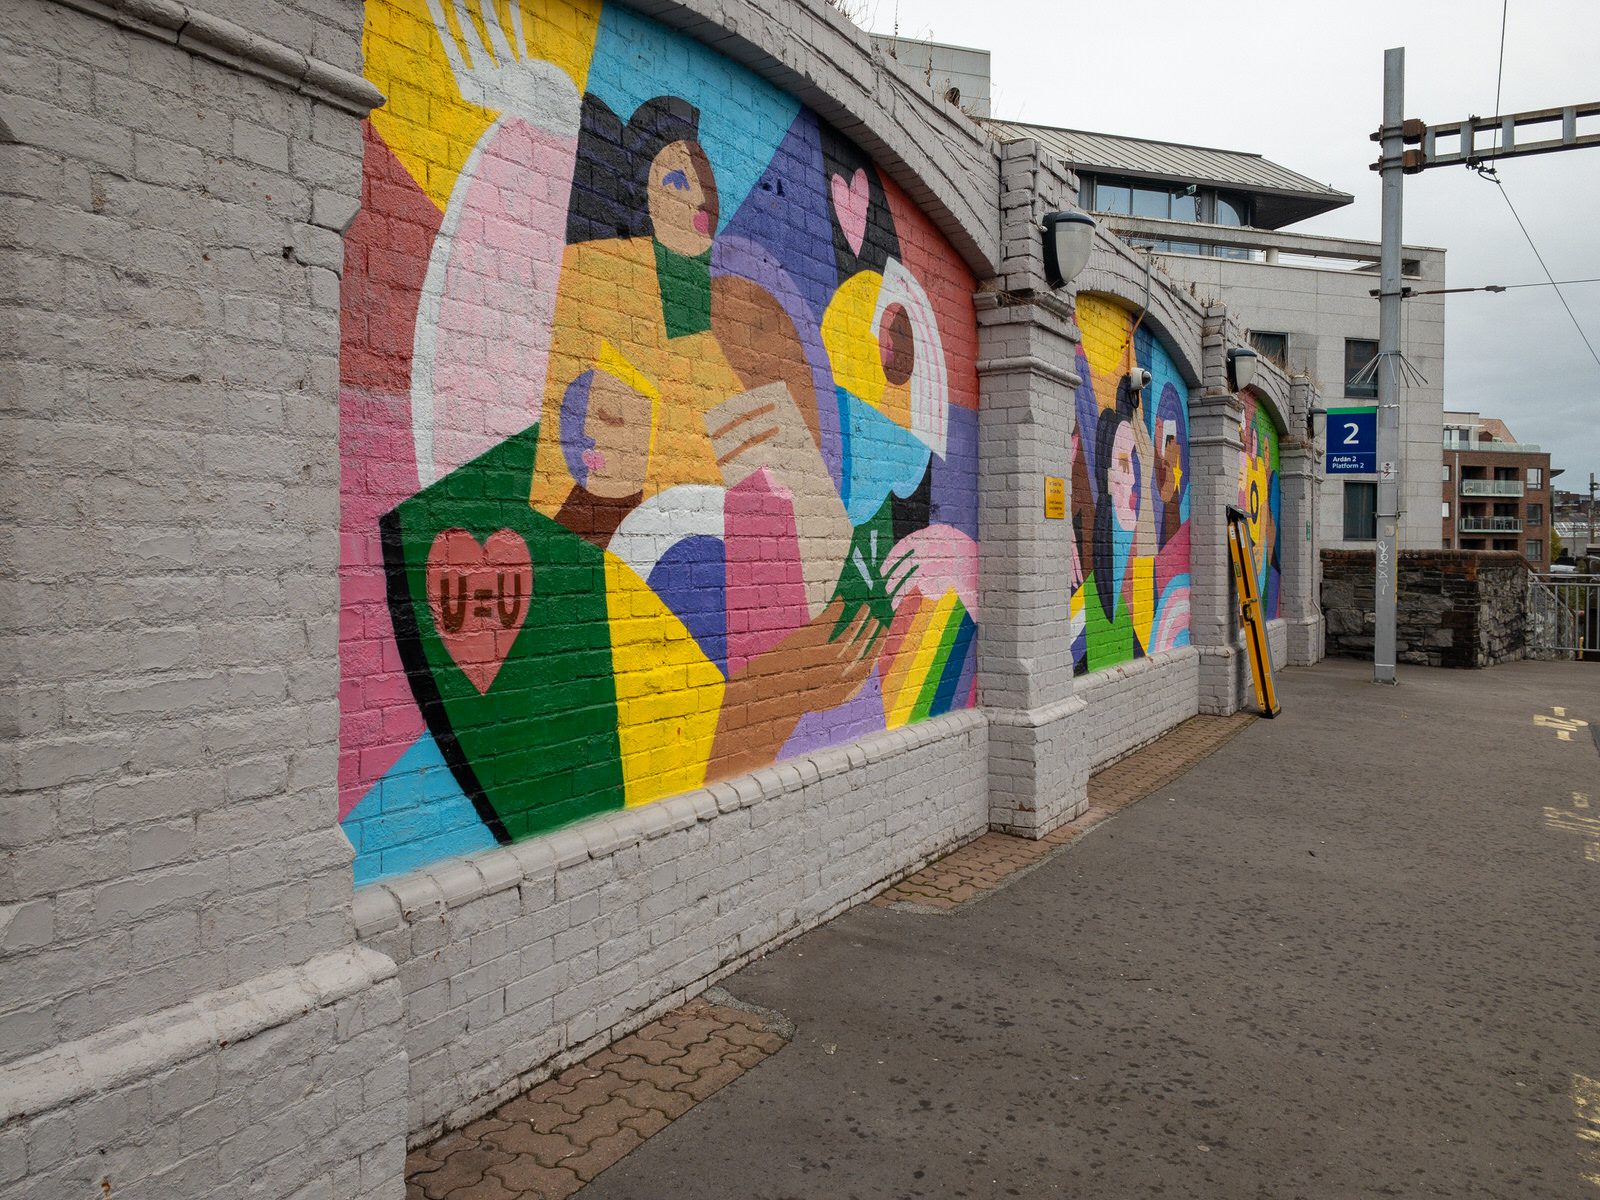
[(1352, 434)]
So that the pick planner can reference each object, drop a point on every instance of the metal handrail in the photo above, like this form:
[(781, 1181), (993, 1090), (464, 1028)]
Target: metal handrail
[(1490, 525), (1491, 487)]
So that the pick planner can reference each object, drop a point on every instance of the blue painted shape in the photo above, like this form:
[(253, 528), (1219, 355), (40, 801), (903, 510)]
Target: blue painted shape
[(691, 579), (880, 457), (414, 815), (944, 699), (743, 118)]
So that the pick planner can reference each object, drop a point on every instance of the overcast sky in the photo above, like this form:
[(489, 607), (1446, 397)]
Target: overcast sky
[(1302, 85)]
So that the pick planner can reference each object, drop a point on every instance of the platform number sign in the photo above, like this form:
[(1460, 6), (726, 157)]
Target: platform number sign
[(1352, 441)]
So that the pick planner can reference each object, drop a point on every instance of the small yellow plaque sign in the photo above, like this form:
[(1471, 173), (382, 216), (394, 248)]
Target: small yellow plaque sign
[(1055, 497)]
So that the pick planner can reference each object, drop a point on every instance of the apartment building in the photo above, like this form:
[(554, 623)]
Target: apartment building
[(1496, 490)]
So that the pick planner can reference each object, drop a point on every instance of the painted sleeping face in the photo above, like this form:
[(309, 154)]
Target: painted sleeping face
[(617, 436), (683, 199)]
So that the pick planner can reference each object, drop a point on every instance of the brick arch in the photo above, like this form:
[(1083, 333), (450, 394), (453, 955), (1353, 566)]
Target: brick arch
[(1118, 273)]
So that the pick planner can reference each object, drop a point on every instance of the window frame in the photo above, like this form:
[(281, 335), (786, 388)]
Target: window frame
[(1363, 391), (1369, 489)]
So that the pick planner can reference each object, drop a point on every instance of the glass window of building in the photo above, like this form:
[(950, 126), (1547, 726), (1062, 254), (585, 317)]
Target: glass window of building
[(1535, 514), (1185, 206), (1231, 210), (1446, 476), (1446, 513), (1272, 345), (1535, 477), (1358, 354), (1152, 202), (1112, 197), (1360, 511), (1535, 549)]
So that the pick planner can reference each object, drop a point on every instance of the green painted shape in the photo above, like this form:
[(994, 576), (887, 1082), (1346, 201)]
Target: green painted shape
[(1109, 641), (542, 742), (685, 291), (861, 581), (930, 685)]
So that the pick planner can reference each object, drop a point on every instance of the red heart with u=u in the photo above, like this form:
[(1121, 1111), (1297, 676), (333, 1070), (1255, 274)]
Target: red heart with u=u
[(479, 595)]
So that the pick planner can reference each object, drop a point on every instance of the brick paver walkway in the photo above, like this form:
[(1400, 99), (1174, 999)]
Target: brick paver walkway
[(995, 858), (553, 1139), (549, 1142)]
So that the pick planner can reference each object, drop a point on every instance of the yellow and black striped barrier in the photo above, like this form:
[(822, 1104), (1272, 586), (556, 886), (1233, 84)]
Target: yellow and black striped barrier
[(1255, 628)]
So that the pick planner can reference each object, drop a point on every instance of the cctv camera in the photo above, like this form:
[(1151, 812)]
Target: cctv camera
[(1138, 379)]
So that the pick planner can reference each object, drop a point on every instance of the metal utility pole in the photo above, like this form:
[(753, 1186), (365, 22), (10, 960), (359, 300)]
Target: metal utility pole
[(1394, 163), (1392, 171), (1591, 512)]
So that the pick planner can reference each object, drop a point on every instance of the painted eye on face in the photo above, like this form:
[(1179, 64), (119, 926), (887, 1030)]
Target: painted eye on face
[(676, 179)]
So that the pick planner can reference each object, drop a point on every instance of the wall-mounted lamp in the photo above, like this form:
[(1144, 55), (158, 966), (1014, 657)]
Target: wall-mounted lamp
[(1242, 366), (1068, 238)]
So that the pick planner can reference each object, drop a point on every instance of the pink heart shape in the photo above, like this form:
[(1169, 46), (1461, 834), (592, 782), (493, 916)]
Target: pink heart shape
[(480, 597), (850, 202)]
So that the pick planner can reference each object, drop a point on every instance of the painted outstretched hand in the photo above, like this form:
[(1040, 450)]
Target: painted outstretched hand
[(496, 67), (815, 668)]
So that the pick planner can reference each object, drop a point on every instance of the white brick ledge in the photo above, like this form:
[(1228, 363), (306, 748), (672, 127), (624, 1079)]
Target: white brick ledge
[(139, 1048), (389, 903), (1031, 363), (1037, 718), (232, 45)]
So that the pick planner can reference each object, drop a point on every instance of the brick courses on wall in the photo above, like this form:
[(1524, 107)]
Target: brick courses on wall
[(1456, 608), (283, 395), (517, 961)]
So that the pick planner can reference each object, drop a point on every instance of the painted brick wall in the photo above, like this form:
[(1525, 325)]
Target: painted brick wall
[(517, 961), (658, 433)]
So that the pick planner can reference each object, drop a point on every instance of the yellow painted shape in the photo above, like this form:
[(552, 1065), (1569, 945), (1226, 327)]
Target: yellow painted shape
[(1142, 603), (895, 680), (424, 121), (917, 653), (1106, 327), (851, 339), (669, 694)]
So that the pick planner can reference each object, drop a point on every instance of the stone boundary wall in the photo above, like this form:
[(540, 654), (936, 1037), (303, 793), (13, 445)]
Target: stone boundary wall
[(518, 961), (1457, 608)]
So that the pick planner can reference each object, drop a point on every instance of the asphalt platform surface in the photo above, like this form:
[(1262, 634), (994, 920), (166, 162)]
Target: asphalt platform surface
[(1353, 953)]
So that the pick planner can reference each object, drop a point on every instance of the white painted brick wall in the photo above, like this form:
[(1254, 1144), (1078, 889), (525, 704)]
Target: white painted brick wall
[(1138, 701), (516, 961)]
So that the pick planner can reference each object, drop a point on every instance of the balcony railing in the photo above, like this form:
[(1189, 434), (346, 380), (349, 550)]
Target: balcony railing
[(1493, 447), (1490, 524), (1491, 487)]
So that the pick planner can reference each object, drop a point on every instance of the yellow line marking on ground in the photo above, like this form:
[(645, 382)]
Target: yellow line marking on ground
[(1586, 1108)]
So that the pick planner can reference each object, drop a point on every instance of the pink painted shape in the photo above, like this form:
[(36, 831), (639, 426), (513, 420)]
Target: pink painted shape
[(851, 201), (479, 597), (491, 335), (766, 594)]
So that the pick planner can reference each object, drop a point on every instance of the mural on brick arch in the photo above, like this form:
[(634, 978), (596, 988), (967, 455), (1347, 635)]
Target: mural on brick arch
[(1129, 570), (1260, 496), (658, 432)]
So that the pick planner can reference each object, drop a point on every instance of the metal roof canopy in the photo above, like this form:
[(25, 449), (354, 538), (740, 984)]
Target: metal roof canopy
[(1282, 196)]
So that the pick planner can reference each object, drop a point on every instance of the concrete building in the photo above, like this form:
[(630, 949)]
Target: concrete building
[(1496, 491), (1214, 222)]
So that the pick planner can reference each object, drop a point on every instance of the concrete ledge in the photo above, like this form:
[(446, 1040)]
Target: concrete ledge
[(138, 1048), (232, 45)]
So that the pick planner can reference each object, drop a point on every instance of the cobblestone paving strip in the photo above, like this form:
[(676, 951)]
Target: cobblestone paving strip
[(990, 861), (553, 1139)]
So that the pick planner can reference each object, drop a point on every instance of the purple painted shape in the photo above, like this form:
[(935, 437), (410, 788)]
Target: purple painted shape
[(766, 592), (955, 476), (855, 718), (747, 259)]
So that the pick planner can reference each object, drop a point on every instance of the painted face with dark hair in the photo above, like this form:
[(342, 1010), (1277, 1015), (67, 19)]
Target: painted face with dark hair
[(683, 199)]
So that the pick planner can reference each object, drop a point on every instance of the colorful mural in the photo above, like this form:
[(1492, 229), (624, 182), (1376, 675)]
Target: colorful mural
[(1260, 497), (658, 432), (1129, 570)]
